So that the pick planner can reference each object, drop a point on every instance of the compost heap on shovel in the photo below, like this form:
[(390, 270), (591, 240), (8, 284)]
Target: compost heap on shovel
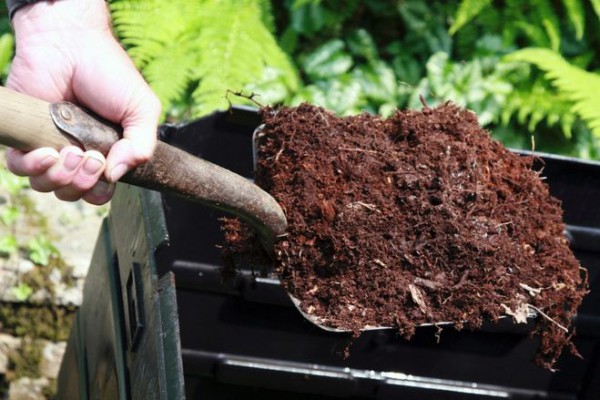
[(419, 218)]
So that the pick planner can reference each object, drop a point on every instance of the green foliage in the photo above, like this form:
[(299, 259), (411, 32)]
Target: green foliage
[(22, 292), (539, 21), (348, 78), (11, 183), (14, 209), (535, 103), (576, 15), (10, 210), (7, 44), (357, 57), (40, 250), (8, 214), (376, 56), (9, 245), (193, 52), (469, 84), (596, 6), (577, 85), (468, 10), (557, 99)]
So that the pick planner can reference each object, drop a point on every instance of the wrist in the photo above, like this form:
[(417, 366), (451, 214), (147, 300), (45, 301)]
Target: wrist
[(61, 15)]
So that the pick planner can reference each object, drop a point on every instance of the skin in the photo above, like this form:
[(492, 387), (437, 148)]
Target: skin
[(65, 50)]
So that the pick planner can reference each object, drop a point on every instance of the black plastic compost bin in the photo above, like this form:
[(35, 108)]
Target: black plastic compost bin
[(158, 323)]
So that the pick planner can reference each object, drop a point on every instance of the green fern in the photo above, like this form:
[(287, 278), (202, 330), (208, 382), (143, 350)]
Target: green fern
[(201, 49), (467, 10), (596, 7), (538, 20), (535, 103), (545, 15), (577, 85), (576, 15)]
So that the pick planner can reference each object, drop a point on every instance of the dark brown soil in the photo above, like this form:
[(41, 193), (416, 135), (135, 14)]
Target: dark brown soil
[(419, 218)]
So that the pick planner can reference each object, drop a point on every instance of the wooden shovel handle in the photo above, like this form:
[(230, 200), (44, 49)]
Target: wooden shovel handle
[(26, 124)]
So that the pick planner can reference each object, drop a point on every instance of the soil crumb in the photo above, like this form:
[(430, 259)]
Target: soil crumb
[(419, 218)]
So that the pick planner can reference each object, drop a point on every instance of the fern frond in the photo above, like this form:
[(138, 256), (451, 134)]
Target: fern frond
[(467, 10), (160, 39), (266, 12), (236, 50), (548, 18), (576, 15), (212, 46), (146, 27), (535, 33), (596, 7), (577, 85), (170, 73), (536, 103)]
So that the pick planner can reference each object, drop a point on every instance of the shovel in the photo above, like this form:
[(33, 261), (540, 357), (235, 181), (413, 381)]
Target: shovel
[(27, 123)]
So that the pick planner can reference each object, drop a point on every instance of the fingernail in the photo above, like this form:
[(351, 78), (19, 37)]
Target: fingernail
[(117, 172), (101, 188), (72, 161), (92, 165), (48, 161)]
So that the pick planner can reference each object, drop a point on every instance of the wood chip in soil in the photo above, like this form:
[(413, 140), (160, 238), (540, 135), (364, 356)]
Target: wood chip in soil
[(415, 219)]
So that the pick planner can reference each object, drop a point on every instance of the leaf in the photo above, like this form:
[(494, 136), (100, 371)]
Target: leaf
[(579, 86), (234, 55), (7, 43), (9, 214), (40, 249), (8, 245), (328, 60), (198, 50), (467, 10), (12, 183), (596, 7), (378, 82), (309, 16), (361, 44), (544, 12), (341, 95), (576, 14), (22, 292)]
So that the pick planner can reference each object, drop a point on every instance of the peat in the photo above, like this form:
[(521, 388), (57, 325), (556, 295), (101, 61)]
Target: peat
[(418, 218)]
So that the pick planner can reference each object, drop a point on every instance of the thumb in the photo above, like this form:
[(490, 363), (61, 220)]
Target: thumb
[(138, 143)]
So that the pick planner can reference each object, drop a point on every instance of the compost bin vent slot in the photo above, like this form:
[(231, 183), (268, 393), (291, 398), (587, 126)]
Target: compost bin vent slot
[(135, 306)]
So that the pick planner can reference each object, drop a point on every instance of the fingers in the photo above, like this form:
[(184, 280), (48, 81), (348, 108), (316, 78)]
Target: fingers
[(71, 174), (101, 193), (139, 137), (33, 163)]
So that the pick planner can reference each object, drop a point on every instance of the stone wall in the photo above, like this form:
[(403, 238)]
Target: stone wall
[(34, 326)]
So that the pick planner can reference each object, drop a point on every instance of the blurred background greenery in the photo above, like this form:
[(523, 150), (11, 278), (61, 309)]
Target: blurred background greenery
[(528, 69)]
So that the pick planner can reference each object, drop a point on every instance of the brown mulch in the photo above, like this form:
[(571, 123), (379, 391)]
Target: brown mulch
[(418, 218)]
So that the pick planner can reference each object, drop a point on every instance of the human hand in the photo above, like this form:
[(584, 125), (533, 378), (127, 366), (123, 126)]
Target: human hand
[(66, 51)]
